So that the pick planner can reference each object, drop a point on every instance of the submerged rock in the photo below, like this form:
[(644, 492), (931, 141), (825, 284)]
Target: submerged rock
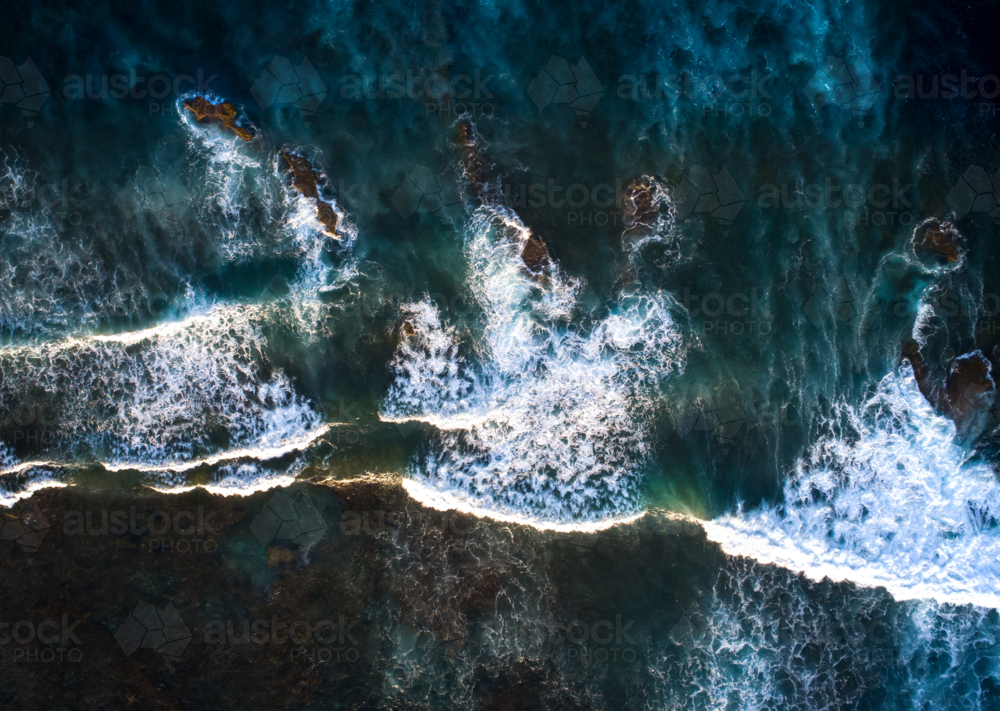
[(307, 181), (938, 238), (224, 113)]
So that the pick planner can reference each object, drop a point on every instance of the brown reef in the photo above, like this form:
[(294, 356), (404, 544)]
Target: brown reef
[(639, 205), (969, 388), (535, 255), (534, 252), (939, 238), (223, 112), (306, 180), (967, 394)]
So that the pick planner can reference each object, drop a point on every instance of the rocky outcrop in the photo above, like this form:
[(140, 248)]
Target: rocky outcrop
[(921, 372), (639, 205), (938, 238), (307, 181), (970, 391), (468, 142), (534, 253), (223, 113), (968, 394)]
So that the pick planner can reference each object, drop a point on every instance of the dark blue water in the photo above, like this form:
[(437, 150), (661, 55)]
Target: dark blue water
[(721, 264)]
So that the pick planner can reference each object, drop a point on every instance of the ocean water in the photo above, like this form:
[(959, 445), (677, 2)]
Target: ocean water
[(698, 280)]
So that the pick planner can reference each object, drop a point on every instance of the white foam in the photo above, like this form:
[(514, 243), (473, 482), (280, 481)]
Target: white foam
[(47, 283), (444, 500), (237, 480), (544, 428), (43, 480), (187, 392), (153, 396), (896, 505)]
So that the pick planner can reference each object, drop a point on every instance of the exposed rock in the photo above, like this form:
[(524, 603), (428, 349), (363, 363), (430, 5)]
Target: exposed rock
[(468, 141), (307, 181), (639, 204), (939, 238), (223, 112), (968, 393), (921, 372), (535, 255)]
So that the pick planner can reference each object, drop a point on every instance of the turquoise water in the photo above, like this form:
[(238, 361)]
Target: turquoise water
[(733, 201)]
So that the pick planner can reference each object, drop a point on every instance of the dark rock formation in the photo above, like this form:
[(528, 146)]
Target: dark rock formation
[(639, 206), (307, 181), (534, 253), (968, 394), (938, 238), (921, 372), (223, 113)]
